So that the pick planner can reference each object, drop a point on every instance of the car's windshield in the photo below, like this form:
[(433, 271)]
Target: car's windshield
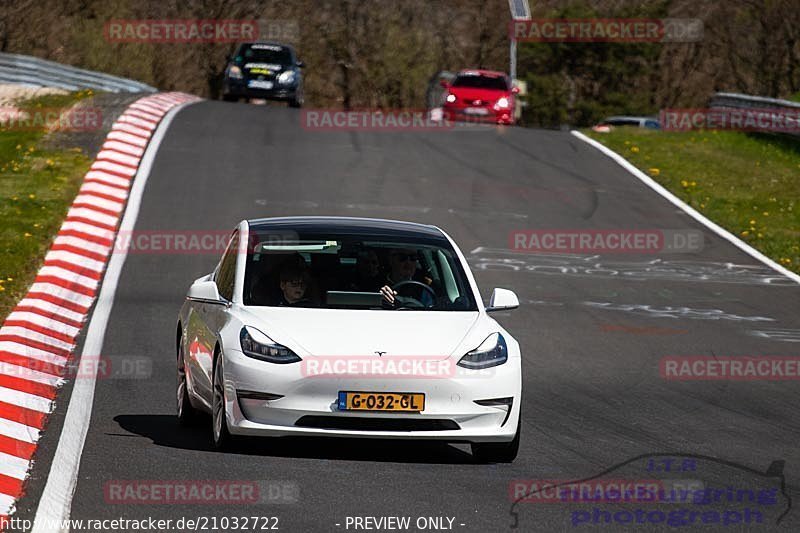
[(480, 82), (348, 272), (264, 53)]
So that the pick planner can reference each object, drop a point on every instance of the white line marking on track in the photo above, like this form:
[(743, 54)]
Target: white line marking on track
[(719, 230), (56, 500)]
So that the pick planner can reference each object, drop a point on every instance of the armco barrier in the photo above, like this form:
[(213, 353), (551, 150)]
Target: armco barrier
[(28, 70)]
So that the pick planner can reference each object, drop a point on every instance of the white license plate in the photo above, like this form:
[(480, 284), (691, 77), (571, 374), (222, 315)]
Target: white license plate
[(259, 84), (476, 111)]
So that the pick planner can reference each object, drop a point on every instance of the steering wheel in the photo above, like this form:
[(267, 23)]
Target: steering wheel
[(397, 286)]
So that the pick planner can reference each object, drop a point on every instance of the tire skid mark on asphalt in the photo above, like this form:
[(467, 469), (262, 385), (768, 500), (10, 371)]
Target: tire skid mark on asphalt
[(39, 335)]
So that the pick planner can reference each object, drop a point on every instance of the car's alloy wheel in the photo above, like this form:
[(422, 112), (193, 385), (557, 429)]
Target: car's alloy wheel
[(219, 425), (187, 414), (498, 452)]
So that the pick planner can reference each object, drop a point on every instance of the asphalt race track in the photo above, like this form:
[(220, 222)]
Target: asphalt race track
[(593, 331)]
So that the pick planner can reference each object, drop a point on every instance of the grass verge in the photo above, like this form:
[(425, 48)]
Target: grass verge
[(37, 186), (747, 183)]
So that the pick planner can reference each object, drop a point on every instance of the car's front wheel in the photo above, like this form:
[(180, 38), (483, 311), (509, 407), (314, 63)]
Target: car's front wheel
[(219, 425), (497, 452), (187, 414), (297, 100)]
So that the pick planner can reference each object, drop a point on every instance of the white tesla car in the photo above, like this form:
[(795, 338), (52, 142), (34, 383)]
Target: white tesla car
[(348, 327)]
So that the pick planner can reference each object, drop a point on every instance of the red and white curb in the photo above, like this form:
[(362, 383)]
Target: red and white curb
[(39, 335)]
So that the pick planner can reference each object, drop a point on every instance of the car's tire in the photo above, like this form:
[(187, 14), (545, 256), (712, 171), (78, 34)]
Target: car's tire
[(187, 414), (497, 452), (220, 436), (297, 101), (230, 98)]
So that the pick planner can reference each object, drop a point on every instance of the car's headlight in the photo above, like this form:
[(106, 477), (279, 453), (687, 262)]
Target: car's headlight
[(234, 72), (258, 346), (492, 352), (450, 98), (287, 78), (503, 103)]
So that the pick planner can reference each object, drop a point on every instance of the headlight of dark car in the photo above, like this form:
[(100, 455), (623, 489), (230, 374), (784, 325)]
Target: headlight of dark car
[(288, 77), (258, 346), (492, 352), (234, 72)]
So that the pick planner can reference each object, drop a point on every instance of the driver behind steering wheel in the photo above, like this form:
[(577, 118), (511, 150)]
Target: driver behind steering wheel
[(403, 268)]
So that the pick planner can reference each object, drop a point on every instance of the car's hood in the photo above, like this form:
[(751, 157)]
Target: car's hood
[(433, 334), (469, 93)]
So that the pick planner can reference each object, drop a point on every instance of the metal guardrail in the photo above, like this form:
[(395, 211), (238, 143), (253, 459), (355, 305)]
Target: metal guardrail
[(782, 111), (32, 71), (745, 101)]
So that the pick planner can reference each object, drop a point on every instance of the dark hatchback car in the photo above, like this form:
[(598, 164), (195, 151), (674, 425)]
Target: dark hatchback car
[(264, 70)]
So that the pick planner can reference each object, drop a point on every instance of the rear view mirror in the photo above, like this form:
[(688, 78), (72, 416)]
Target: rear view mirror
[(502, 299), (444, 83), (301, 64), (515, 90), (204, 291)]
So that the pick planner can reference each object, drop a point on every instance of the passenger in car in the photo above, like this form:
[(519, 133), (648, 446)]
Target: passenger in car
[(294, 284)]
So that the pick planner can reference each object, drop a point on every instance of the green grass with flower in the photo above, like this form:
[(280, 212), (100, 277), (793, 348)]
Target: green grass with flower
[(747, 183), (37, 186)]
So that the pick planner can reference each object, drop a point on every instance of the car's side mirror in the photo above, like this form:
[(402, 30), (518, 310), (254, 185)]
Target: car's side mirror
[(204, 291), (444, 83), (300, 64), (515, 90), (502, 299)]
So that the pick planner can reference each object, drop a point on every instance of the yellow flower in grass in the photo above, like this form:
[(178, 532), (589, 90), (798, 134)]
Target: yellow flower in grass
[(635, 149), (654, 171), (28, 234), (752, 222), (32, 196)]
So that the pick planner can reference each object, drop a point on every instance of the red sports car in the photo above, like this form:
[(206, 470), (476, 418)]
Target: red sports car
[(480, 96)]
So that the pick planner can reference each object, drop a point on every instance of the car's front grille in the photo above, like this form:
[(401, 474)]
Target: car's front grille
[(376, 424), (477, 103)]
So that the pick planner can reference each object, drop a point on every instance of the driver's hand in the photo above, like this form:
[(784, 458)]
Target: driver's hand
[(388, 294)]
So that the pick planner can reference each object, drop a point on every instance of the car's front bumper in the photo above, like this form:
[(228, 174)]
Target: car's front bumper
[(239, 89), (308, 405), (454, 113)]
